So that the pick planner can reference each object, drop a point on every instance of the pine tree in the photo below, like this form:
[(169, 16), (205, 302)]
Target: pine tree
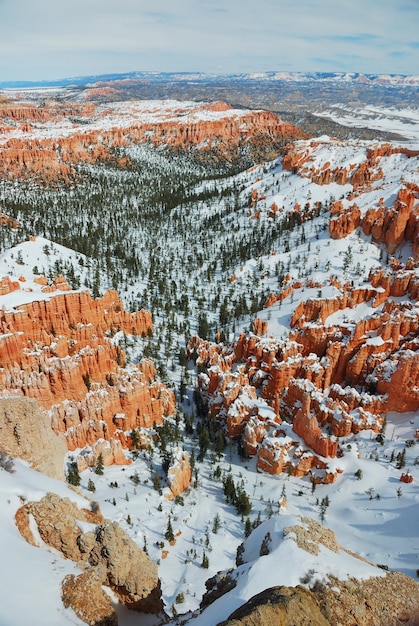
[(247, 527), (229, 489), (135, 438), (156, 481), (205, 561), (203, 443), (99, 465), (216, 524), (401, 459), (169, 536), (220, 443), (203, 326), (91, 486), (265, 547), (73, 477), (243, 504), (323, 507)]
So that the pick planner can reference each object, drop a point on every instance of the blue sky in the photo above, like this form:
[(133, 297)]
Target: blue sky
[(47, 39)]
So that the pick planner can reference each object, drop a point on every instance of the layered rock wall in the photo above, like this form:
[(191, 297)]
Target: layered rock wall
[(89, 134), (251, 386), (59, 352)]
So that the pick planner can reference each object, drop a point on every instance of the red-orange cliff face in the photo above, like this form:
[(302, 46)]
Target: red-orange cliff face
[(378, 351), (393, 225), (359, 171), (362, 168), (59, 351), (88, 133), (276, 394), (344, 221)]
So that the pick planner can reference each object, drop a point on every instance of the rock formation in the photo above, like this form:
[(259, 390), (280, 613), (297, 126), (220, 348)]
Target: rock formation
[(25, 432), (59, 352), (343, 221), (374, 600), (84, 594), (179, 474), (111, 452), (129, 572), (393, 225), (361, 167), (106, 553), (279, 605), (32, 152), (251, 386)]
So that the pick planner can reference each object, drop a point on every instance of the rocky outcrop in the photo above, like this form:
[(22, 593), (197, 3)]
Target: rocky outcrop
[(8, 286), (111, 452), (361, 167), (242, 387), (343, 220), (251, 386), (279, 605), (179, 474), (25, 432), (58, 523), (395, 224), (84, 594), (260, 326), (112, 408), (89, 134), (376, 601), (68, 314), (106, 553), (377, 598), (305, 424), (217, 586), (129, 572), (59, 352), (5, 220)]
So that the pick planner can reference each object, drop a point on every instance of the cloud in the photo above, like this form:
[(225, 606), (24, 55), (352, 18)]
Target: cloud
[(49, 39)]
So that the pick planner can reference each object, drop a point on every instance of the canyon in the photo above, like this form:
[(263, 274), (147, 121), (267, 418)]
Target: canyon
[(195, 297), (327, 379)]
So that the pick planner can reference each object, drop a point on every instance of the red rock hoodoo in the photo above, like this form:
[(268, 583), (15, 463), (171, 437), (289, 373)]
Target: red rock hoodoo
[(59, 351)]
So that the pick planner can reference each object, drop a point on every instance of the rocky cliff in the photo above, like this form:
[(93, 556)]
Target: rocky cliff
[(108, 556), (25, 432), (279, 605), (89, 133), (377, 598), (59, 352), (308, 380), (390, 222), (360, 166), (179, 474)]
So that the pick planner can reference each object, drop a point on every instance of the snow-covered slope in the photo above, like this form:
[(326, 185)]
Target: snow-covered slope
[(215, 257), (405, 122), (31, 576)]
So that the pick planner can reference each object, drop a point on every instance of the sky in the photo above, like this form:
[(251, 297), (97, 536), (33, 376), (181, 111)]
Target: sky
[(51, 39)]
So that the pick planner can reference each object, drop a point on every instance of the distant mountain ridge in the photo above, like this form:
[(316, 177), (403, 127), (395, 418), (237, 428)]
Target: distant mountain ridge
[(390, 80)]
